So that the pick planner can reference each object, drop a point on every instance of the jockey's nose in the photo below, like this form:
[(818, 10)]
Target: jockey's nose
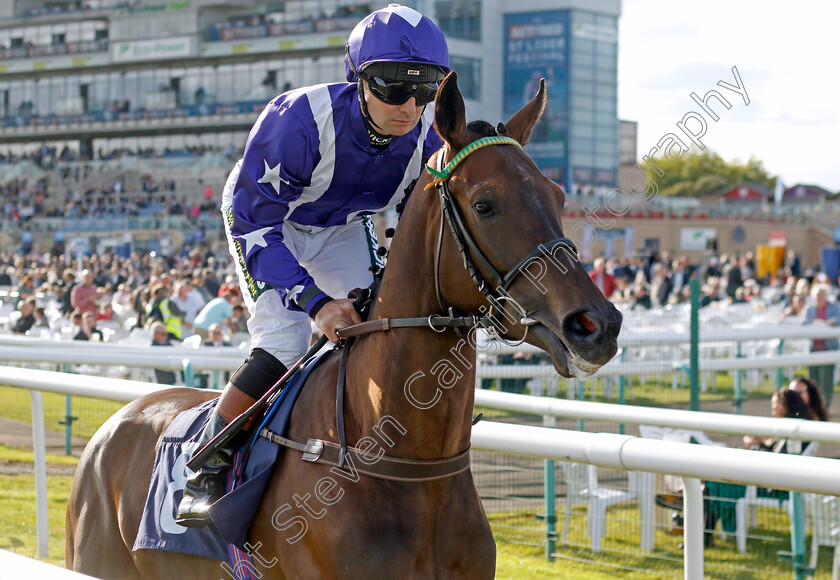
[(409, 105)]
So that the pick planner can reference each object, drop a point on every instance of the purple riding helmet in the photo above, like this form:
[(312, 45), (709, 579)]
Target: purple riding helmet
[(400, 53)]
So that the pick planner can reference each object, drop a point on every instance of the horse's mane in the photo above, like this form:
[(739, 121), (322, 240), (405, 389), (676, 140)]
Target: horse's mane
[(479, 129)]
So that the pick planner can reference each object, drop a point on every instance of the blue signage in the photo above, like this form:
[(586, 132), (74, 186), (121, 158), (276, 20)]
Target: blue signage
[(537, 46)]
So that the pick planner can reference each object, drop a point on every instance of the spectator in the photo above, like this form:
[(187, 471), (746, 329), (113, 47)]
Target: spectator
[(41, 320), (67, 298), (641, 298), (25, 289), (239, 321), (788, 403), (823, 312), (661, 285), (215, 336), (734, 279), (812, 395), (603, 280), (795, 307), (219, 310), (711, 291), (162, 309), (27, 317), (211, 283), (88, 330), (161, 337), (188, 300), (85, 295)]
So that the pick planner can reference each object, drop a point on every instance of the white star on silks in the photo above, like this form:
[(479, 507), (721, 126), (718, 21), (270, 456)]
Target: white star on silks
[(255, 238), (272, 176)]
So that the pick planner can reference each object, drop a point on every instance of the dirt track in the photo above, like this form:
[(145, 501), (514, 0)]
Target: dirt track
[(18, 434)]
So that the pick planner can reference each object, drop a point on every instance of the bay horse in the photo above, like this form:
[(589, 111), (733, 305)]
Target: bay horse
[(408, 390)]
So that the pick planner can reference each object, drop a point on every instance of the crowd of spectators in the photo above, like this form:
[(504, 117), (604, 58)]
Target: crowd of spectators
[(87, 195), (660, 280), (192, 293)]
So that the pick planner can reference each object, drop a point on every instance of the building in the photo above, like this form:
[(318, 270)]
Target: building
[(99, 75)]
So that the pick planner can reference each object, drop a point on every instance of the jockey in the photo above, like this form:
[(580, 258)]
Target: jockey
[(317, 163)]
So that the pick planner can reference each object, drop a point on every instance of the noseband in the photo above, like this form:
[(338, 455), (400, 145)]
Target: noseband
[(467, 247)]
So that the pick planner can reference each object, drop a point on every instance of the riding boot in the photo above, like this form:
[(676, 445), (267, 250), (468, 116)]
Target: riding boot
[(252, 380), (207, 485)]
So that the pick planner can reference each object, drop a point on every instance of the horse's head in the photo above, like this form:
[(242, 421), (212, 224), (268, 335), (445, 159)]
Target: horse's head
[(510, 214)]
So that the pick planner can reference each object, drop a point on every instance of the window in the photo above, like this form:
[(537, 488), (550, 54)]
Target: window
[(459, 19), (469, 76)]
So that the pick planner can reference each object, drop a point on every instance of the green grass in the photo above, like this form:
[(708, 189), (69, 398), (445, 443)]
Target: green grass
[(521, 554), (91, 412), (17, 508)]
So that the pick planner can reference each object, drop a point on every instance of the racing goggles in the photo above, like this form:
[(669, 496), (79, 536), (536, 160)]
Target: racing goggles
[(396, 82)]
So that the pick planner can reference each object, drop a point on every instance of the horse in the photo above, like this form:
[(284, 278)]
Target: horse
[(408, 390)]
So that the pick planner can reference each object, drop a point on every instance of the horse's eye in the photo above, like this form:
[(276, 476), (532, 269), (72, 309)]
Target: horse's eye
[(483, 208)]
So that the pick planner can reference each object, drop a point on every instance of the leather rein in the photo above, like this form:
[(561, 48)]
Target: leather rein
[(409, 470)]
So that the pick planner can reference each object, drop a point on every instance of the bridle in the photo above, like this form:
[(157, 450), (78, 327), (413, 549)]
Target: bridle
[(497, 292)]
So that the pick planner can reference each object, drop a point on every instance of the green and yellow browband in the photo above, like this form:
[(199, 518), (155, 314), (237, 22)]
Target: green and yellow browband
[(462, 154)]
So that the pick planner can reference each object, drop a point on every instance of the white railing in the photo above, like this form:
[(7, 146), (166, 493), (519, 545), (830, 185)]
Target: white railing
[(24, 349), (17, 566), (815, 475), (776, 428)]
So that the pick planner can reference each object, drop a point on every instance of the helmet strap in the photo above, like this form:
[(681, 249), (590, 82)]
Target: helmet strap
[(377, 139)]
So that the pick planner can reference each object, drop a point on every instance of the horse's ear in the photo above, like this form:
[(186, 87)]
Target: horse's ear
[(522, 123), (450, 113)]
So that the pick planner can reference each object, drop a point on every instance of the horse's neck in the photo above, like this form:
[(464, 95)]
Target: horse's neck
[(422, 380)]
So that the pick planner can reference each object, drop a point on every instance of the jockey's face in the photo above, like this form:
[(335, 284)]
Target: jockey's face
[(394, 120)]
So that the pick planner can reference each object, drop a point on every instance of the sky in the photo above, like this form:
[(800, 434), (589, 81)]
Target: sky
[(788, 59)]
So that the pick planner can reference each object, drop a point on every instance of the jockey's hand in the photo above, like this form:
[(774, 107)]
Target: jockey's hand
[(336, 314)]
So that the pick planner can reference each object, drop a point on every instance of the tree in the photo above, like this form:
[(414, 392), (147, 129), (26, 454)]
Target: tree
[(702, 174)]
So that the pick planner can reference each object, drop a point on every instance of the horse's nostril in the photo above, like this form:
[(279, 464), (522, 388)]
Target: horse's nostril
[(581, 326), (587, 322)]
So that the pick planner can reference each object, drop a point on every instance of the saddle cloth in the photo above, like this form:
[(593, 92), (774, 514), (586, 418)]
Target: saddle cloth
[(232, 515)]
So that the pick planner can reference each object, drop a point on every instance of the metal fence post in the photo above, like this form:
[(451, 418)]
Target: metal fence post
[(68, 424), (797, 536), (693, 529), (694, 371), (550, 512), (621, 387), (739, 386), (39, 449)]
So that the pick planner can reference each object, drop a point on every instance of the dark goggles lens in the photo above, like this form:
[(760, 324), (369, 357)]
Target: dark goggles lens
[(398, 92)]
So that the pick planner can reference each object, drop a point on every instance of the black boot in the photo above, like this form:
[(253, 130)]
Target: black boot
[(207, 485)]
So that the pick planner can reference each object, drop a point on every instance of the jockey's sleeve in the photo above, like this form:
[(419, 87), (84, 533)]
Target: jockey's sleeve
[(279, 158)]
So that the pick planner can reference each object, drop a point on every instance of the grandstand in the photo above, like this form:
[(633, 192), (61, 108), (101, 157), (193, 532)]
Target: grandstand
[(82, 79)]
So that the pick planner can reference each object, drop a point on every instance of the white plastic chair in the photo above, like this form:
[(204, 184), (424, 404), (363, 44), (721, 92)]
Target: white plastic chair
[(582, 487), (825, 515), (746, 508)]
